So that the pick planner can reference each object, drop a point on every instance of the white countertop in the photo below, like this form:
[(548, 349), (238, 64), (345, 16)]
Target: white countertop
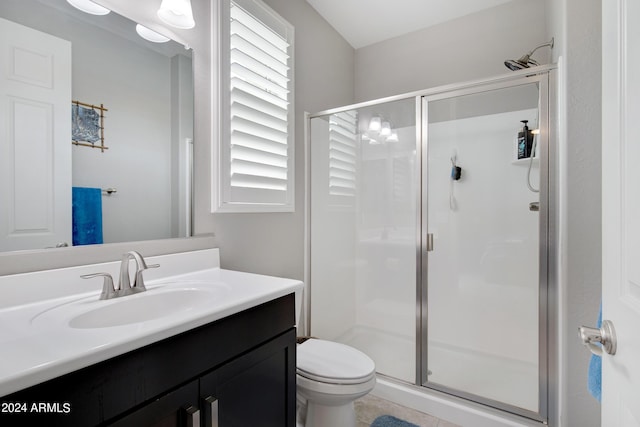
[(37, 342)]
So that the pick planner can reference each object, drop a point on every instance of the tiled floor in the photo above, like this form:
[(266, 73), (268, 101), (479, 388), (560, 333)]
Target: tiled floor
[(370, 407)]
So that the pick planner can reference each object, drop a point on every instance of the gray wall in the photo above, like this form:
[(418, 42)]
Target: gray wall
[(138, 162), (273, 243), (580, 196), (467, 48)]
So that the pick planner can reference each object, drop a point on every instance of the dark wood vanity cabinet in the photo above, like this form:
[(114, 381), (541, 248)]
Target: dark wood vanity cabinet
[(235, 372)]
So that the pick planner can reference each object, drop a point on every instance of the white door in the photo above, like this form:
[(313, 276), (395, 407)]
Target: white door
[(621, 210), (35, 138)]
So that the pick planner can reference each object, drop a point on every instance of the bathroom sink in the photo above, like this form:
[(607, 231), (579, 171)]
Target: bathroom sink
[(144, 308), (168, 300), (54, 322)]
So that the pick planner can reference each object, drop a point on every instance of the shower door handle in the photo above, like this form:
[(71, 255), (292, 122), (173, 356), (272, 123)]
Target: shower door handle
[(606, 336), (429, 242)]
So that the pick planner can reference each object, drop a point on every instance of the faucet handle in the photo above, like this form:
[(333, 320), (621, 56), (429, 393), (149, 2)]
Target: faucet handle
[(108, 291), (138, 283)]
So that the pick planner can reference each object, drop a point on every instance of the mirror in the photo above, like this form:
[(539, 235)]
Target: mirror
[(142, 176)]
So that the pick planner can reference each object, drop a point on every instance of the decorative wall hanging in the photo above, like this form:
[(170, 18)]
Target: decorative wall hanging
[(87, 125)]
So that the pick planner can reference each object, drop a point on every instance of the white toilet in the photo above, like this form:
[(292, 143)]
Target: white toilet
[(330, 377)]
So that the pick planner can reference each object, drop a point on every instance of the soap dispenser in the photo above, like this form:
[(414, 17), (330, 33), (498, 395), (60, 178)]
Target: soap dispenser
[(525, 141)]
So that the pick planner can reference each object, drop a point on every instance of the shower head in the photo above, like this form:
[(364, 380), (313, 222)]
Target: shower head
[(525, 61), (519, 64)]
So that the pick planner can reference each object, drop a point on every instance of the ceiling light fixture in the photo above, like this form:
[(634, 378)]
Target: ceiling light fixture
[(379, 131), (150, 35), (385, 130), (177, 13), (88, 6), (375, 124)]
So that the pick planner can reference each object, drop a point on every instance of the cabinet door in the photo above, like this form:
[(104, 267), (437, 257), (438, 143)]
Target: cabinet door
[(178, 408), (257, 389)]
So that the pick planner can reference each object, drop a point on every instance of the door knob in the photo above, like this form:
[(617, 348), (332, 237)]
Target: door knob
[(606, 336)]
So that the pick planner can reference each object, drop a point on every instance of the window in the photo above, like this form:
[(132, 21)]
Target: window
[(256, 153)]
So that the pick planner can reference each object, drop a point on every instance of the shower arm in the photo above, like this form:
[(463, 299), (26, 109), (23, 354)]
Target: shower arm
[(527, 57)]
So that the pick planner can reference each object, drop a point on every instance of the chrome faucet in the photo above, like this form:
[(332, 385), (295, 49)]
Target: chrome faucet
[(124, 286)]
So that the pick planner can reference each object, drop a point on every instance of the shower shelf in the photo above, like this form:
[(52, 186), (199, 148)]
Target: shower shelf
[(525, 161)]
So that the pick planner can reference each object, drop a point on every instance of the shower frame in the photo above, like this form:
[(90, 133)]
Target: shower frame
[(545, 76)]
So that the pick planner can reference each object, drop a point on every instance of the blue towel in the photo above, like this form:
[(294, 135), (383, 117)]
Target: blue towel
[(594, 380), (86, 215), (390, 421)]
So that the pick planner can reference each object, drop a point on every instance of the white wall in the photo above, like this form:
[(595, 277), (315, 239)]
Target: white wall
[(467, 48)]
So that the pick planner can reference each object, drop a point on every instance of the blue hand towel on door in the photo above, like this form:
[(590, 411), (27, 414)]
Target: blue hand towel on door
[(594, 380), (87, 215)]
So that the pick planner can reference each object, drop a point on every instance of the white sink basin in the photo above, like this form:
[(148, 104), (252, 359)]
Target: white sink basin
[(141, 309), (169, 299)]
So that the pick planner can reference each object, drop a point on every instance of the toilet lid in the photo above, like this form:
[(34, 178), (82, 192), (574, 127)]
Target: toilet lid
[(333, 362)]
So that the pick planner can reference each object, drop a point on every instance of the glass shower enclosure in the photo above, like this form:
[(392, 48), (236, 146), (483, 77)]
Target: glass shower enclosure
[(428, 236)]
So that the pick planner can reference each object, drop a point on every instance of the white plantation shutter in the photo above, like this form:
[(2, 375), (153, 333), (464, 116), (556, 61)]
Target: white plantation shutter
[(257, 161), (342, 153)]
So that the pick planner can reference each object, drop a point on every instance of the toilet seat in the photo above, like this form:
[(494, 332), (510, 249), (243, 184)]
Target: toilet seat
[(333, 363)]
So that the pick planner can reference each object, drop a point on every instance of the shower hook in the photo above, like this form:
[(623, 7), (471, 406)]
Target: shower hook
[(456, 174), (456, 171)]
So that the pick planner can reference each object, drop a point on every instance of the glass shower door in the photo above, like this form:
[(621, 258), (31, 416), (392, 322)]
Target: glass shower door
[(363, 230), (482, 218)]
